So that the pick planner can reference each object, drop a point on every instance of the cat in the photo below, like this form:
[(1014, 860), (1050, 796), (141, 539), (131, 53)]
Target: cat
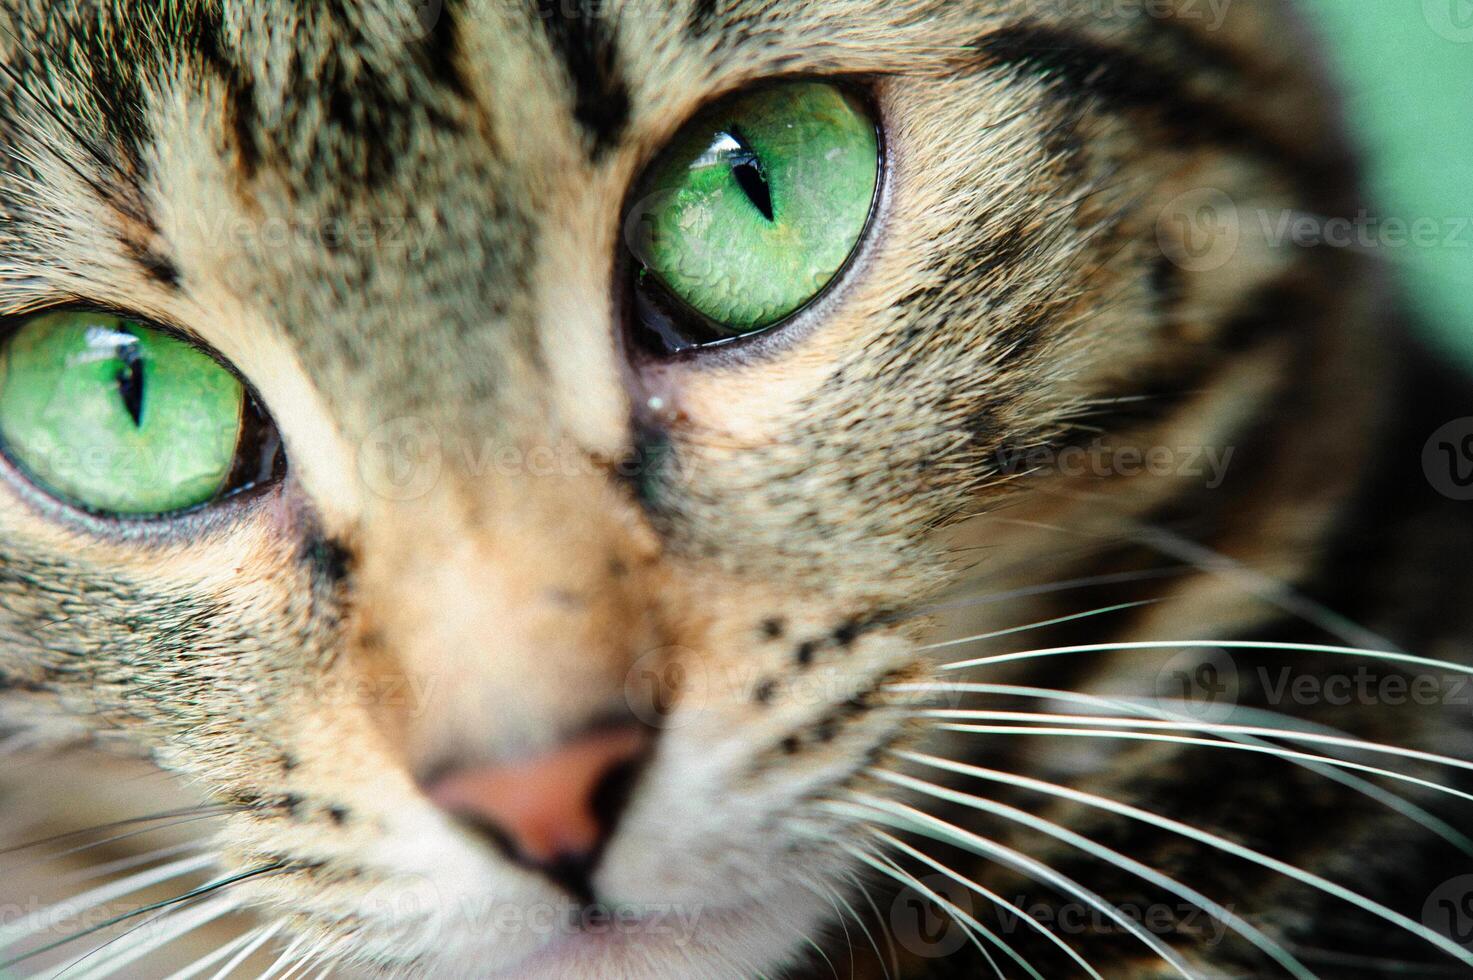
[(714, 488)]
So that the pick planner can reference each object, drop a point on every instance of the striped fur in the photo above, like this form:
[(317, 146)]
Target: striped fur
[(396, 230)]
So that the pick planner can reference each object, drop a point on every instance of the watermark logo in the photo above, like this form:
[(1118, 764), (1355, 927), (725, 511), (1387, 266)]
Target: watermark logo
[(415, 898), (227, 230), (1200, 231), (415, 694), (404, 21), (1452, 20), (1204, 229), (662, 680), (1362, 686), (1080, 919), (426, 15), (654, 223), (1205, 464), (1202, 683), (1449, 910), (926, 927), (403, 898), (401, 459), (1447, 459)]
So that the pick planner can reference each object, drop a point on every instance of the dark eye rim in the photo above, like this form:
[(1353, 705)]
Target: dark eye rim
[(655, 318), (259, 432)]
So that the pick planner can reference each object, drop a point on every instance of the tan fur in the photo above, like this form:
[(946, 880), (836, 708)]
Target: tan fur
[(823, 483)]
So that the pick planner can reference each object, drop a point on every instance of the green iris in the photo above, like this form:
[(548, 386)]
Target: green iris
[(117, 417), (759, 202)]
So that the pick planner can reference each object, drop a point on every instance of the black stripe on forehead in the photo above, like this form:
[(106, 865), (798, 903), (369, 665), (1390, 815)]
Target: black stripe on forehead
[(1082, 67), (102, 69), (383, 92), (703, 17), (380, 84), (733, 21), (584, 38), (102, 65)]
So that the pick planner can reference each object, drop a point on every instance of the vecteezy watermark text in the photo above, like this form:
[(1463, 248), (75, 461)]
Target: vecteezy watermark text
[(1102, 459)]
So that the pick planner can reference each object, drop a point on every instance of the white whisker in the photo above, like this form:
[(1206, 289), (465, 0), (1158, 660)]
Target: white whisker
[(1066, 585), (85, 902), (971, 926), (106, 841), (249, 950), (1111, 856), (1199, 557), (833, 898), (810, 942), (146, 940), (93, 872), (1386, 655), (865, 930), (991, 896), (1164, 738), (893, 966), (1330, 768), (909, 818), (1092, 721), (1104, 610), (305, 961), (1185, 830), (215, 956), (287, 958), (1273, 591)]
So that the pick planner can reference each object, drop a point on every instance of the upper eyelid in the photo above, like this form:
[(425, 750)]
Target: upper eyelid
[(164, 325)]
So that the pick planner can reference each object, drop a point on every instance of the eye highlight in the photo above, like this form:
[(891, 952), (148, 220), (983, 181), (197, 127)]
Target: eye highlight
[(751, 212), (124, 419)]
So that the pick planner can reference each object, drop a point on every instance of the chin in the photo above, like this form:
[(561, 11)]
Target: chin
[(675, 918), (562, 941)]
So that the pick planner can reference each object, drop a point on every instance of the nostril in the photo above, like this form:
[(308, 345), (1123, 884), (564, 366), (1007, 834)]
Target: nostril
[(555, 812), (613, 791)]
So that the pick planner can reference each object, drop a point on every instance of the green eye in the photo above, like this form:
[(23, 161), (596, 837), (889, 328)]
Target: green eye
[(123, 419), (752, 212)]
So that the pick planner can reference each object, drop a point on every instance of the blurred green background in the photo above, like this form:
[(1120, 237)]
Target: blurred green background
[(1408, 69)]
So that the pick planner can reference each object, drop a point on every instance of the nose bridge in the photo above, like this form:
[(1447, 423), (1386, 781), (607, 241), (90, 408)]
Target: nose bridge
[(517, 603)]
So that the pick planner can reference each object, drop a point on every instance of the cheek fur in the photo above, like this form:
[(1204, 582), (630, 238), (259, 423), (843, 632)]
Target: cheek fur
[(406, 234)]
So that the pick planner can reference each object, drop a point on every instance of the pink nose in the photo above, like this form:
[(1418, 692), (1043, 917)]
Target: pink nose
[(553, 812)]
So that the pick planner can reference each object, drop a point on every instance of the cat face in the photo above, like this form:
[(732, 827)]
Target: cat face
[(503, 521)]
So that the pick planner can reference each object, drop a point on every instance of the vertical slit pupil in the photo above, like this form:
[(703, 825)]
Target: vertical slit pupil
[(130, 378), (746, 168)]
